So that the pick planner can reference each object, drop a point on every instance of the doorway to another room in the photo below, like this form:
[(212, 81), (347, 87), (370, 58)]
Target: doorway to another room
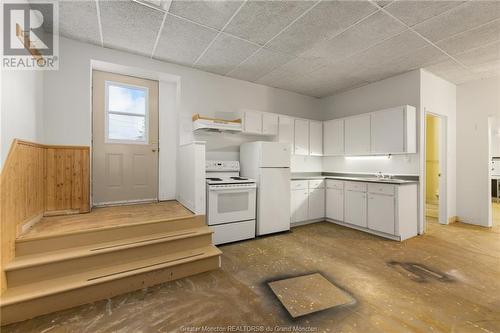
[(494, 176), (124, 139), (434, 212)]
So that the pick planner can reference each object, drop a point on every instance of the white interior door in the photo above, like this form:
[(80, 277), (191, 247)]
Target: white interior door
[(124, 139)]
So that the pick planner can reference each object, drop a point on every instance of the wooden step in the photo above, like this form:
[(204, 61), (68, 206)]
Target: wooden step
[(30, 300), (55, 264), (88, 237)]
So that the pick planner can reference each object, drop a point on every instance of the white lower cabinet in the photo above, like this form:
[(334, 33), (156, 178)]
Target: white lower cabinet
[(355, 208), (300, 205), (335, 204), (316, 203), (387, 210), (308, 200), (381, 210)]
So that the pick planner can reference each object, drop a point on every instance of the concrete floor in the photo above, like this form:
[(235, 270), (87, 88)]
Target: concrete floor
[(391, 296)]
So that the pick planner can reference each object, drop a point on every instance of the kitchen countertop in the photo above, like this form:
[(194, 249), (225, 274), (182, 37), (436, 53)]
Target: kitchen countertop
[(365, 178)]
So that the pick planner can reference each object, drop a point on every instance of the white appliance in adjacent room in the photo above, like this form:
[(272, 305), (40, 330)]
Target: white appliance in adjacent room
[(269, 164), (231, 202)]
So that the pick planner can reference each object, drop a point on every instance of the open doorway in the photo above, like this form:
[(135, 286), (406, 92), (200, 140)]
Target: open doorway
[(494, 172), (435, 169)]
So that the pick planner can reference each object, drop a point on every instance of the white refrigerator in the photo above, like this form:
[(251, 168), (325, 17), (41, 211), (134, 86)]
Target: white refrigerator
[(269, 164)]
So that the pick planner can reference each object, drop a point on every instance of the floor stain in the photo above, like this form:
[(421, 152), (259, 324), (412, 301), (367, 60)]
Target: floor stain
[(421, 273)]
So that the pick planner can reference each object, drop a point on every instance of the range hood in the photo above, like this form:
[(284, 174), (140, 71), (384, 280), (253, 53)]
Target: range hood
[(215, 124)]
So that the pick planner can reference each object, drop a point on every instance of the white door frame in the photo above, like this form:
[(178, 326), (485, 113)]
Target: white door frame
[(443, 180), (168, 109), (490, 204)]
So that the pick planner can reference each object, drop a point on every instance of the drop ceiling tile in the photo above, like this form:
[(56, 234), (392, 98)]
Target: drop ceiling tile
[(304, 66), (324, 21), (211, 13), (412, 12), (369, 32), (459, 19), (259, 64), (78, 20), (383, 3), (473, 38), (258, 21), (182, 42), (451, 71), (491, 68), (416, 59), (484, 54), (398, 46), (129, 26), (275, 77), (225, 54)]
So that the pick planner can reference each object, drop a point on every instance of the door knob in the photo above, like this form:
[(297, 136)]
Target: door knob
[(154, 150)]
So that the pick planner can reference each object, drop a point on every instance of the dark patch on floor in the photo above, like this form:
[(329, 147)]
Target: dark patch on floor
[(420, 273)]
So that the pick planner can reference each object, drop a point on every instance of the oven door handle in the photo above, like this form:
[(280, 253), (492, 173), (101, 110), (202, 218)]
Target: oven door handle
[(239, 189)]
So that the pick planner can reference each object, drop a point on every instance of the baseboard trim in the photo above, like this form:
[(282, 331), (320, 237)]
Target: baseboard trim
[(298, 224), (453, 219), (373, 232), (61, 212), (26, 225)]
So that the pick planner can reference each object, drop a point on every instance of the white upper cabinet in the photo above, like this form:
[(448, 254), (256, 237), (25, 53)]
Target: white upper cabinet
[(285, 129), (269, 124), (252, 122), (393, 131), (315, 138), (333, 137), (301, 137), (357, 135)]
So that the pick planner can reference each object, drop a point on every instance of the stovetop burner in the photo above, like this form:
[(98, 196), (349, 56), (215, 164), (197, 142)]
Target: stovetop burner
[(215, 179), (239, 178)]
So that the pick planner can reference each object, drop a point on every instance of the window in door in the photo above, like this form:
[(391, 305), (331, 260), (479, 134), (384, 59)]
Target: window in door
[(126, 113)]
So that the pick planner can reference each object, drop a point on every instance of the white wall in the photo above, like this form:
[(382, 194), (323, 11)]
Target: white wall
[(476, 101), (398, 90), (67, 97), (21, 108), (440, 97)]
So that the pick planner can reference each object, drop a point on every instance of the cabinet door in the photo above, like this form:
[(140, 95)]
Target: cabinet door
[(300, 205), (355, 208), (285, 129), (315, 138), (269, 124), (316, 203), (253, 122), (335, 204), (301, 141), (381, 213), (357, 135), (333, 137), (388, 131)]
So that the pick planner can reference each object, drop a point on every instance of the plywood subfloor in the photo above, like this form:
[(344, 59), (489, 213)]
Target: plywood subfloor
[(309, 293), (107, 217), (373, 270)]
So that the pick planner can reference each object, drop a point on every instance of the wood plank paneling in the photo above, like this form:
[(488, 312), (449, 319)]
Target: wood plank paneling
[(67, 180), (22, 194), (36, 179)]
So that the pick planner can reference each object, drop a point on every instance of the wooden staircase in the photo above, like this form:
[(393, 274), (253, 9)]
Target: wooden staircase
[(56, 272)]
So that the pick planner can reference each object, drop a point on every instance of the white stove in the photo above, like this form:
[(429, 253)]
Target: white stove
[(231, 202)]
